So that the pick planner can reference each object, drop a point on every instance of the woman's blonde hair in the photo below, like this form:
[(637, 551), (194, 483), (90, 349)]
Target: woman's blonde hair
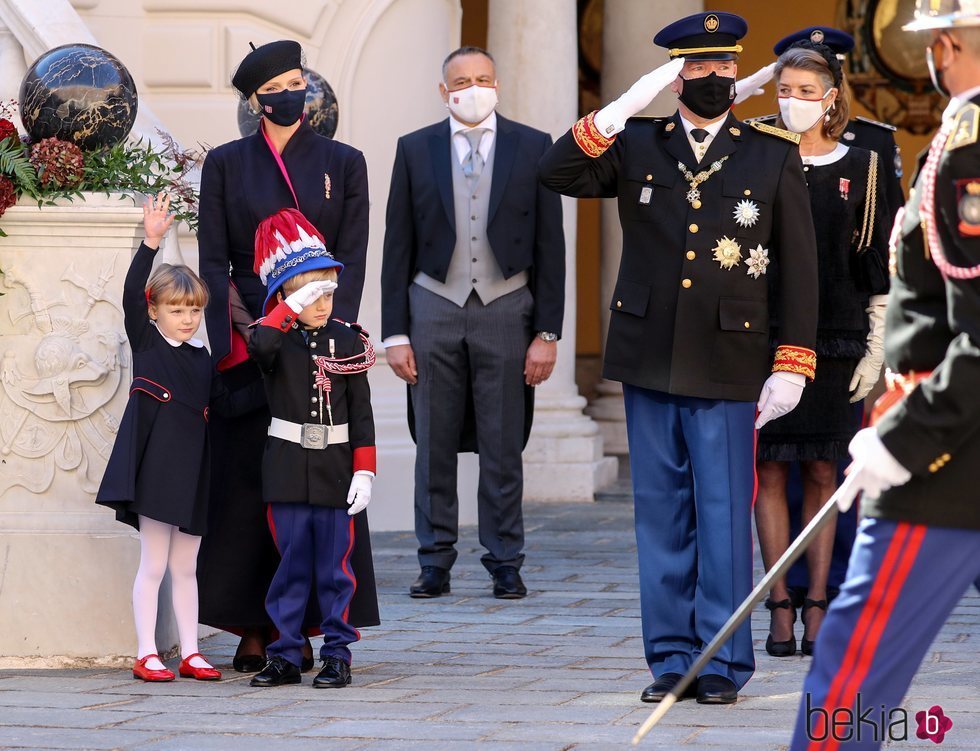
[(176, 285), (316, 275), (801, 58)]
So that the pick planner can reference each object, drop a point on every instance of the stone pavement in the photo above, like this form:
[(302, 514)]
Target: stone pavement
[(560, 670)]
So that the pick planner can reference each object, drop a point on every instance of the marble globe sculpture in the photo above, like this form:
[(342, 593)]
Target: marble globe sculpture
[(321, 108), (78, 93)]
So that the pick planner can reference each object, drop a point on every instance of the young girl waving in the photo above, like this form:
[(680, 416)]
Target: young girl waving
[(157, 476)]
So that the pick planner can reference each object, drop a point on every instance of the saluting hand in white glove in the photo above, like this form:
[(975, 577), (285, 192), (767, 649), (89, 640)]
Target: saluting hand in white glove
[(359, 495), (879, 470), (612, 118), (308, 294), (752, 85), (780, 394)]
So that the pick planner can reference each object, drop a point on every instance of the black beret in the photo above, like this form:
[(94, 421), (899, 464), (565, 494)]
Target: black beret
[(265, 63)]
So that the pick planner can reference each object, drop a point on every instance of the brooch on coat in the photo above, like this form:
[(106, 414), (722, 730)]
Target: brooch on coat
[(727, 252), (326, 185), (757, 261), (746, 213)]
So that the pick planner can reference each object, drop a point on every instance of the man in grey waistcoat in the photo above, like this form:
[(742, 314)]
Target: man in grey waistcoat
[(472, 302)]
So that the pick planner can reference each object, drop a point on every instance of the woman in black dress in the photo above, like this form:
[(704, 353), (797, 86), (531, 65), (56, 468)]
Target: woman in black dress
[(284, 165), (850, 216)]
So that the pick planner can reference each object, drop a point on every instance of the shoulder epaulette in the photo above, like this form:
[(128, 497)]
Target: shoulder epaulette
[(772, 130), (964, 130), (761, 119), (869, 121)]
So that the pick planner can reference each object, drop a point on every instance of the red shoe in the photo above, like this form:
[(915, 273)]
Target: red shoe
[(146, 674), (187, 670)]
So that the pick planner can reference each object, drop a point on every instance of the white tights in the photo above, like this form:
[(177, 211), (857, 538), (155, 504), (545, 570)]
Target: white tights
[(162, 547)]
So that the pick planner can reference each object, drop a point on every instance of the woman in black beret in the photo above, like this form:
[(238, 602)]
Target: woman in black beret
[(285, 164)]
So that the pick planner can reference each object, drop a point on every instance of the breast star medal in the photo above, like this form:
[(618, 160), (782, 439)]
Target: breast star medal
[(728, 253), (326, 185), (757, 261), (746, 213)]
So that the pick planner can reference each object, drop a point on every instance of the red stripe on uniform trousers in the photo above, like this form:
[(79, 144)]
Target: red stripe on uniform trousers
[(832, 700), (272, 525), (345, 567)]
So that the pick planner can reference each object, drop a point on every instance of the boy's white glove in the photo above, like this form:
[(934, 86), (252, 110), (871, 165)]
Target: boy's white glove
[(359, 495), (868, 370), (780, 394), (752, 85), (612, 118), (309, 293), (879, 469)]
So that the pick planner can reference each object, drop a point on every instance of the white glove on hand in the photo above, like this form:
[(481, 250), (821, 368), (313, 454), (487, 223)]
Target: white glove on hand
[(868, 370), (879, 469), (359, 495), (309, 294), (612, 118), (752, 85), (780, 394)]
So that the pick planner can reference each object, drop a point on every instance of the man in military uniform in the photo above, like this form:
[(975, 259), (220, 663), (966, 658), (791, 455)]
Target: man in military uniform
[(918, 549), (710, 208)]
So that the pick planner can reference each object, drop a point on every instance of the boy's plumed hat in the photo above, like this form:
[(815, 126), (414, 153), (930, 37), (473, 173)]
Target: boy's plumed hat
[(286, 244)]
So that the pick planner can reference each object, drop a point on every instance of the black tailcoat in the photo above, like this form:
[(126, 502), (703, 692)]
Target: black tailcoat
[(680, 322)]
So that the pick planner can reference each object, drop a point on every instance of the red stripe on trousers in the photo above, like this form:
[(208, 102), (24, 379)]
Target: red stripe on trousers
[(874, 617), (350, 575), (272, 525)]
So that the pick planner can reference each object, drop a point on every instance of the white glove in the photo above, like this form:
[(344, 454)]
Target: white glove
[(309, 294), (868, 370), (612, 118), (359, 495), (752, 85), (879, 469), (780, 394)]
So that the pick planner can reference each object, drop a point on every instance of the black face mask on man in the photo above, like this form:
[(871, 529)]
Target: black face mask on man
[(283, 107), (710, 96)]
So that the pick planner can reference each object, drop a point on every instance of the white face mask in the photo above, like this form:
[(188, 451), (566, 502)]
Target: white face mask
[(473, 104), (799, 115)]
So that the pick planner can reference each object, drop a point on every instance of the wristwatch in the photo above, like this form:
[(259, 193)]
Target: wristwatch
[(547, 336)]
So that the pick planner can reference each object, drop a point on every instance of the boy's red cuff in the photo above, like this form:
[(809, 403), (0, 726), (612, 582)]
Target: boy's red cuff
[(280, 317), (366, 458)]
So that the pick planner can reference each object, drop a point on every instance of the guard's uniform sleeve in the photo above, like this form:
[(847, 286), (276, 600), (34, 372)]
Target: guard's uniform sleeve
[(360, 423), (796, 245), (136, 315), (548, 277), (352, 239), (399, 254), (925, 431), (266, 340), (212, 242), (583, 163)]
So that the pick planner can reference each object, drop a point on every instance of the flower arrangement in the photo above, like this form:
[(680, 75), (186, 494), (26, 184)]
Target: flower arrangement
[(53, 168)]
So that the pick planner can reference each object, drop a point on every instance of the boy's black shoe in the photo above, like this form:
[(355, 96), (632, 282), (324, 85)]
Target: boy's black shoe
[(507, 583), (278, 671), (335, 674), (432, 582)]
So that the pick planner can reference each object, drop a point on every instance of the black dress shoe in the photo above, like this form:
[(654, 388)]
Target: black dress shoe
[(507, 583), (656, 691), (335, 674), (432, 582), (278, 671), (716, 689)]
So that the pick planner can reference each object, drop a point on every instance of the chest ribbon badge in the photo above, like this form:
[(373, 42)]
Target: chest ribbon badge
[(746, 213), (728, 253), (757, 261), (326, 186)]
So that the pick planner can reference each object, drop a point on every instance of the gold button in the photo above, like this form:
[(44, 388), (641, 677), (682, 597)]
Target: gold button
[(691, 255), (649, 177), (747, 192), (686, 283), (696, 204), (693, 228), (619, 303), (747, 325), (946, 457)]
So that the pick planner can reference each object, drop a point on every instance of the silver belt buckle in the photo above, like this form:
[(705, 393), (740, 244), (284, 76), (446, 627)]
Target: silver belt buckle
[(313, 436)]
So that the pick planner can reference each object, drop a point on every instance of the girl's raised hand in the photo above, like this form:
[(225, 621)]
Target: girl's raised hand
[(156, 220)]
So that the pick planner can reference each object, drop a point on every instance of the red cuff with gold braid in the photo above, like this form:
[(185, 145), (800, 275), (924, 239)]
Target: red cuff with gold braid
[(365, 458), (588, 137), (280, 317), (795, 360)]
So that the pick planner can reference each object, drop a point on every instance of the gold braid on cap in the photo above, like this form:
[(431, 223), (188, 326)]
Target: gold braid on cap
[(588, 137), (684, 51)]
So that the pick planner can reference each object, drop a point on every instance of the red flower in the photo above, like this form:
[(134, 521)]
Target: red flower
[(7, 130), (8, 195), (58, 163)]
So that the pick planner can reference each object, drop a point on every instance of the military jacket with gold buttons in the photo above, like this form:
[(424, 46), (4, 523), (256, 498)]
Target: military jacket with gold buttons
[(284, 354), (933, 324), (690, 309)]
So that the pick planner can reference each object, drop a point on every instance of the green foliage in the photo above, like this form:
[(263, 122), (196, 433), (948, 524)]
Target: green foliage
[(15, 164)]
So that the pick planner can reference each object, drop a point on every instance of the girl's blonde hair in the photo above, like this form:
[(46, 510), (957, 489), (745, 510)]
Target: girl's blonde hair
[(176, 285), (316, 275), (800, 58)]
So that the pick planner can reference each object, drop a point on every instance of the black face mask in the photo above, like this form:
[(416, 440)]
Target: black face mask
[(284, 107), (708, 97)]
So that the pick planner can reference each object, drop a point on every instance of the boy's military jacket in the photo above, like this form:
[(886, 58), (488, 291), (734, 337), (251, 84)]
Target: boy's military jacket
[(286, 356), (690, 309), (933, 324)]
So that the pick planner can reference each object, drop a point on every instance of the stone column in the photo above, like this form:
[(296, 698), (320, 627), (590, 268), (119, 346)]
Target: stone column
[(628, 52), (535, 45)]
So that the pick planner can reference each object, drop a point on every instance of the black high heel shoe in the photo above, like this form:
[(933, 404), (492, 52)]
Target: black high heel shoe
[(306, 664), (250, 661), (781, 648), (806, 646)]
